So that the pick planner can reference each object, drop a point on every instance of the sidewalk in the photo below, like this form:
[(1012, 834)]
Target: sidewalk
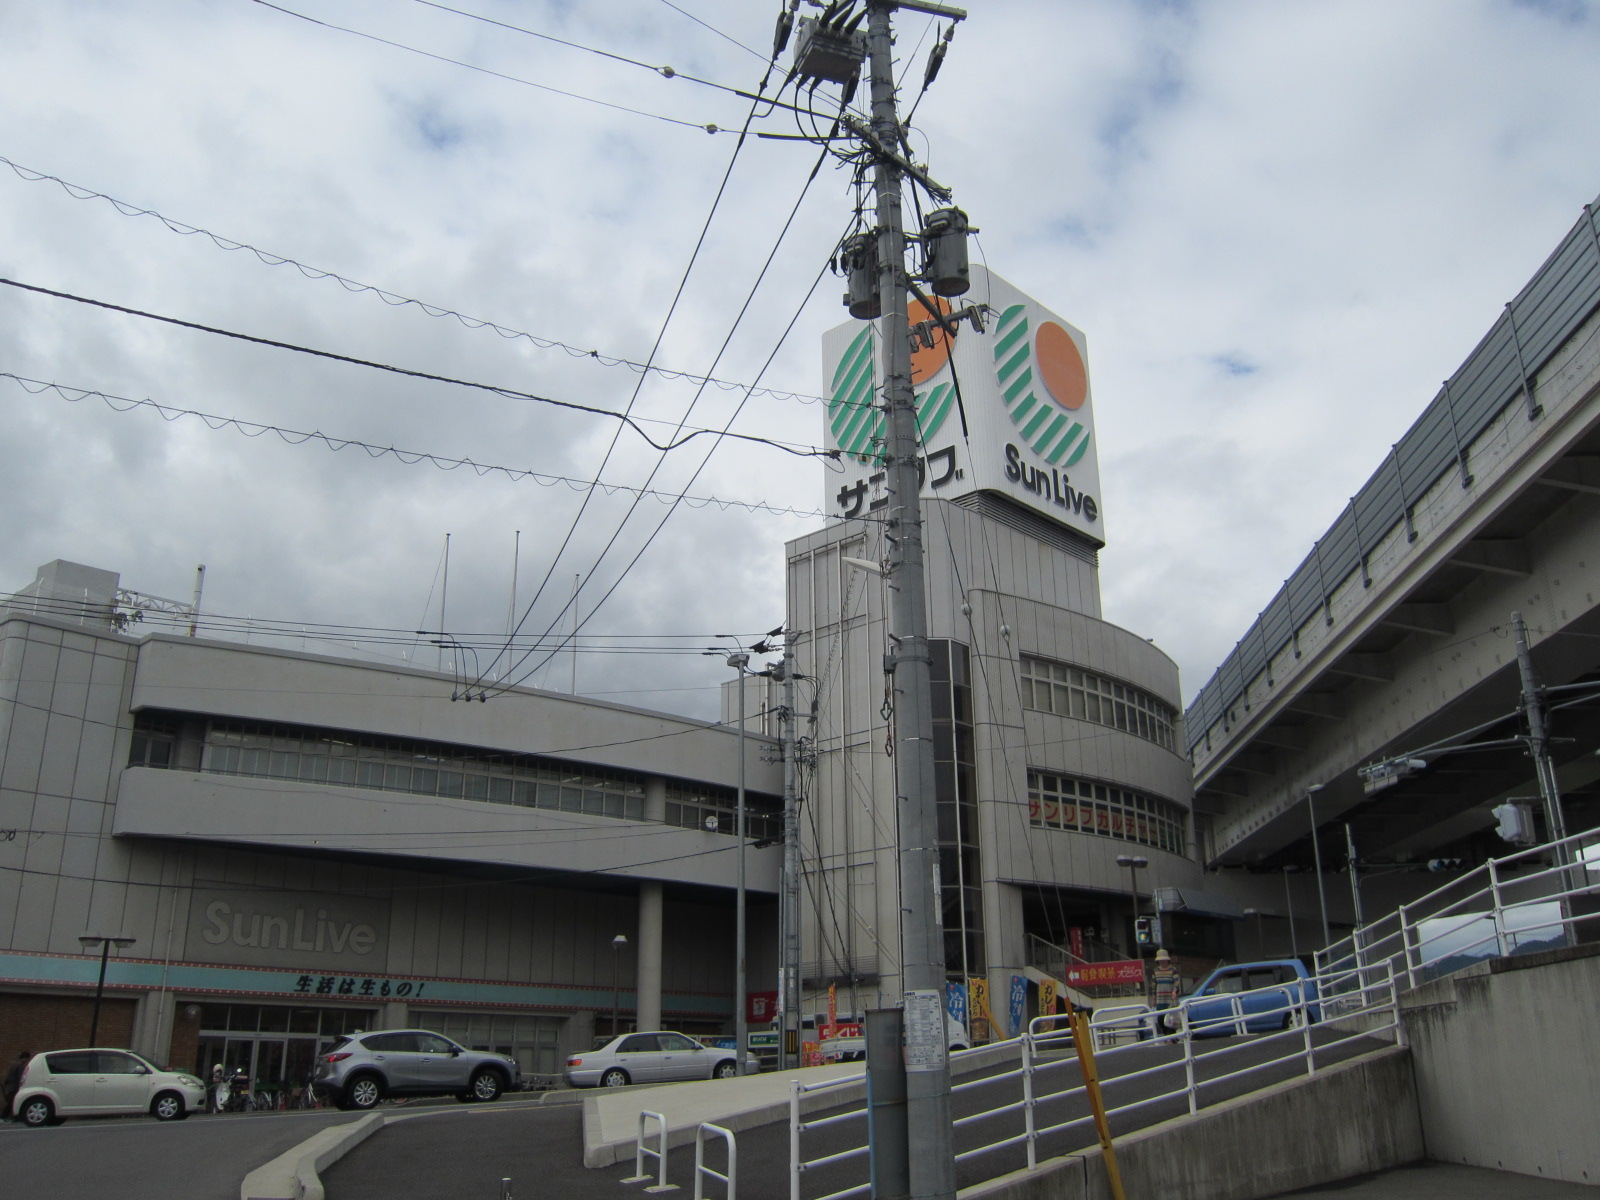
[(1450, 1181)]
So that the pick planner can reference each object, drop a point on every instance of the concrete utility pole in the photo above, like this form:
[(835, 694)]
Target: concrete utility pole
[(739, 661), (922, 968), (789, 971), (1538, 738)]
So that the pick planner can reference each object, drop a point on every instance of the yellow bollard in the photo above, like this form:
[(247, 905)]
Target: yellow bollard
[(1082, 1041)]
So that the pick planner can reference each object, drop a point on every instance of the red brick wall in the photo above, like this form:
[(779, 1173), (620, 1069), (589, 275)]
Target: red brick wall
[(29, 1021)]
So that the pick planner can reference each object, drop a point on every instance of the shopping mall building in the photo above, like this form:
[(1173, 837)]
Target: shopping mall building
[(301, 845)]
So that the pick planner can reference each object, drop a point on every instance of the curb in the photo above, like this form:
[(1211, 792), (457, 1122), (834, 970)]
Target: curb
[(293, 1174)]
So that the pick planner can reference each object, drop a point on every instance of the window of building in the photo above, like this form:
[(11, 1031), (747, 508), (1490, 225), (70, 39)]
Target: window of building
[(1069, 691), (320, 756), (1106, 810)]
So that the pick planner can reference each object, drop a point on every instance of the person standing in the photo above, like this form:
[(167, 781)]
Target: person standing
[(1166, 980), (13, 1083)]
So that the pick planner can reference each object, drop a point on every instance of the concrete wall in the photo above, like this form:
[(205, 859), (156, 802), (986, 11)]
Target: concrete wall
[(1002, 590), (1357, 1117), (1507, 1057)]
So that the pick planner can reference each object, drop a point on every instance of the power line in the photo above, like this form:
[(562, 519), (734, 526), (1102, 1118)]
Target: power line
[(455, 62), (725, 37), (508, 393), (806, 299), (293, 437), (269, 258), (661, 334)]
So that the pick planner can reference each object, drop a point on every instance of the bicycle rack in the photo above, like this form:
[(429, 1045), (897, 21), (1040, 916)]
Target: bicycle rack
[(702, 1172), (659, 1154)]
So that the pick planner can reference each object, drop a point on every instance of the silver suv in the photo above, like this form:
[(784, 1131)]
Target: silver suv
[(362, 1069)]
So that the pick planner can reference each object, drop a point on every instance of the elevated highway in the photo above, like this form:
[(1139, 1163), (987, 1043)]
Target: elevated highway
[(1395, 633)]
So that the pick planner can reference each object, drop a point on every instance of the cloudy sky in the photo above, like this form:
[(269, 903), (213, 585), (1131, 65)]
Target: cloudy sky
[(1280, 225)]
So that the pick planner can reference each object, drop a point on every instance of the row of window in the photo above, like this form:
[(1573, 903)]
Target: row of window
[(1069, 691), (1084, 806), (431, 769)]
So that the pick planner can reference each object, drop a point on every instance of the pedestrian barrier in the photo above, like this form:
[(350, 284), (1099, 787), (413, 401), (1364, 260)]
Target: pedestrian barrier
[(659, 1153), (703, 1172), (1512, 905), (1040, 1083)]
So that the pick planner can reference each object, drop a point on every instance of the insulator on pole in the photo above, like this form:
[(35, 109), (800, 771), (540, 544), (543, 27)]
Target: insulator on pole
[(945, 234)]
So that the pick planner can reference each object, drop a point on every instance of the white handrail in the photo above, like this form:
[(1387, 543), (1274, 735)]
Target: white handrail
[(702, 1172), (640, 1151), (1527, 884), (1042, 1075)]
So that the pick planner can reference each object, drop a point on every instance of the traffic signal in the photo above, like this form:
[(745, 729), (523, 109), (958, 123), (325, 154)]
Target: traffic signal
[(1142, 932), (1516, 823)]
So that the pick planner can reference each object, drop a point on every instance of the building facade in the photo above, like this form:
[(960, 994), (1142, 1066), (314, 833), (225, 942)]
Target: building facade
[(303, 845), (1058, 744)]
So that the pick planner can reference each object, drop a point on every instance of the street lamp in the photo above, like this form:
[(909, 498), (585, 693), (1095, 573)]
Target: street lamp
[(1316, 853), (1134, 863), (1288, 900), (89, 942), (617, 943), (740, 661)]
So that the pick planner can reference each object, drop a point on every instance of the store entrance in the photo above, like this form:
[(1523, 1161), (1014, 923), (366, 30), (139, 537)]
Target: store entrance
[(276, 1046)]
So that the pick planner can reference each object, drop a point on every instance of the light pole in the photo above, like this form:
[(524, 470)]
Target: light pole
[(1355, 878), (1288, 900), (1261, 944), (617, 943), (740, 661), (89, 941), (1316, 853), (1134, 863)]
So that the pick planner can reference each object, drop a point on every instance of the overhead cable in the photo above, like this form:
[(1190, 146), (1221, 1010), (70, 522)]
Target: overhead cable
[(293, 437), (79, 192), (508, 393), (543, 87)]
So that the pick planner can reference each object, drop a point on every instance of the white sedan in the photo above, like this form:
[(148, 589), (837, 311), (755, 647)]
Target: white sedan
[(661, 1057)]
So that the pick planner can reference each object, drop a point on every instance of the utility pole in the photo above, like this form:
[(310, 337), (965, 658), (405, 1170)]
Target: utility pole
[(1538, 738), (739, 661), (789, 971), (922, 967), (1544, 767)]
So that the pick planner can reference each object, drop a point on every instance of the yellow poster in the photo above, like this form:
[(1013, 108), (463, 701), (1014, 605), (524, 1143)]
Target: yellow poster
[(1047, 997), (978, 990)]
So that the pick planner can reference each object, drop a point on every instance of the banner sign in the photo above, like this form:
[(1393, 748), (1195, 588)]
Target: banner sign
[(1022, 425), (955, 1007), (1129, 970), (1019, 1002)]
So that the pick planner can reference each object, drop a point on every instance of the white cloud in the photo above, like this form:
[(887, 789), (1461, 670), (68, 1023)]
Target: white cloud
[(1280, 226)]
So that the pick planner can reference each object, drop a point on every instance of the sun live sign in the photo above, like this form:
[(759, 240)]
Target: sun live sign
[(1023, 384)]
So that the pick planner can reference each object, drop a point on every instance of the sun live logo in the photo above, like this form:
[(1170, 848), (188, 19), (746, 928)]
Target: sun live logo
[(325, 935), (264, 927)]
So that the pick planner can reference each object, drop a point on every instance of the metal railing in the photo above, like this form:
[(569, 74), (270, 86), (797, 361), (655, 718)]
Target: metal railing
[(1038, 1073), (1517, 904), (703, 1172), (641, 1151)]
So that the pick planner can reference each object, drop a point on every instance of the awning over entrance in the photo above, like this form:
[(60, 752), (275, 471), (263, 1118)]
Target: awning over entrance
[(1201, 904)]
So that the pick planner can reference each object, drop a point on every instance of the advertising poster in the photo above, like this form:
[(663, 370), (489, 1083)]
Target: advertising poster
[(1018, 1002), (1004, 405)]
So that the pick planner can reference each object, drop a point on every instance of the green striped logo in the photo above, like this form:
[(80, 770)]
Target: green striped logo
[(1051, 431), (857, 422)]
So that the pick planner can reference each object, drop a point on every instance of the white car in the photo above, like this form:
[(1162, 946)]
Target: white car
[(660, 1057), (102, 1083)]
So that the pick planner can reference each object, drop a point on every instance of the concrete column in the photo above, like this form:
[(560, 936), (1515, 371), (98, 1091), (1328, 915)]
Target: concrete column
[(648, 973), (394, 1014), (647, 963), (1007, 949), (152, 1026)]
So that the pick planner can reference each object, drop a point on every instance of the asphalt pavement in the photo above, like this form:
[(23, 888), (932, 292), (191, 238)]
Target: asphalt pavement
[(1450, 1181), (139, 1158), (466, 1152)]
